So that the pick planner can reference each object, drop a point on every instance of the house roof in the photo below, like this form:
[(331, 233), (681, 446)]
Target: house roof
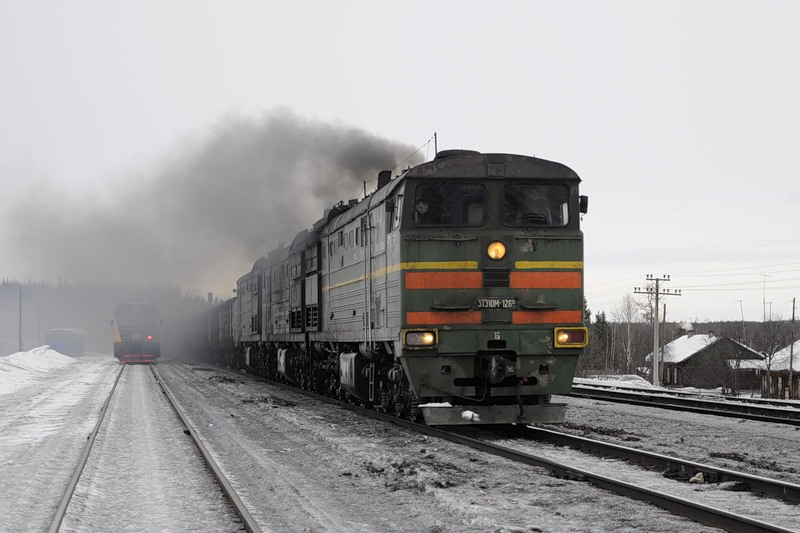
[(780, 361), (688, 346)]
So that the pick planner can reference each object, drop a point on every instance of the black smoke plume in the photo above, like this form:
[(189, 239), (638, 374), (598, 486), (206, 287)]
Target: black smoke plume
[(211, 210)]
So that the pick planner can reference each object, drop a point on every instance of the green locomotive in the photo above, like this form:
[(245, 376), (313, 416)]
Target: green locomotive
[(453, 294)]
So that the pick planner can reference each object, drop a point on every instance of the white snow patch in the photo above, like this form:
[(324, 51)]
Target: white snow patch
[(470, 416), (22, 368), (630, 381)]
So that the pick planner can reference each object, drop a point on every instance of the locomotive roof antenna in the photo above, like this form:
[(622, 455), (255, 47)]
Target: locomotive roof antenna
[(426, 145), (435, 144)]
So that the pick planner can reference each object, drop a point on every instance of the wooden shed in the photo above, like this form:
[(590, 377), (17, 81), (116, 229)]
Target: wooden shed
[(706, 361), (780, 373)]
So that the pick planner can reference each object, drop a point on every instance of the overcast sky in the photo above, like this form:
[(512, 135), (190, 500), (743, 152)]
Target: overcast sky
[(681, 118)]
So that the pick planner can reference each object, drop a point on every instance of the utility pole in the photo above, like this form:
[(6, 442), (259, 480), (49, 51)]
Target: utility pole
[(741, 308), (20, 317), (657, 292), (792, 396)]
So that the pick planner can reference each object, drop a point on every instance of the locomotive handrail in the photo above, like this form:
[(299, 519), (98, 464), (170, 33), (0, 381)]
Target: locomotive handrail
[(437, 307), (542, 234), (429, 237), (539, 307)]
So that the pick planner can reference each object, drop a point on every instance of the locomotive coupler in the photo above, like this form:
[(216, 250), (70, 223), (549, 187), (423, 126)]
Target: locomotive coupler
[(495, 368)]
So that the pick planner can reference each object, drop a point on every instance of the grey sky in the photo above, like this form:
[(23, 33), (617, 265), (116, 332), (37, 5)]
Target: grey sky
[(681, 117)]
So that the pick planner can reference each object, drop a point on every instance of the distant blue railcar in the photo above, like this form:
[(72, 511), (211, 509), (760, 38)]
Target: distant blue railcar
[(68, 341)]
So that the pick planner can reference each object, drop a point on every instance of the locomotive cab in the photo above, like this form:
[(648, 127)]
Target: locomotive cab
[(492, 298)]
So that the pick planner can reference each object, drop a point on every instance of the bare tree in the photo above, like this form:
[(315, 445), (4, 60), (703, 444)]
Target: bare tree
[(625, 314), (776, 334)]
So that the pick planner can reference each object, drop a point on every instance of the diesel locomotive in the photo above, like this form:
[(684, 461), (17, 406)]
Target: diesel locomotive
[(137, 336), (453, 295)]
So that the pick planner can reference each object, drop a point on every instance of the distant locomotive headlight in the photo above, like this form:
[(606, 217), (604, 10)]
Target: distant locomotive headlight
[(149, 337), (496, 250), (571, 337), (420, 339)]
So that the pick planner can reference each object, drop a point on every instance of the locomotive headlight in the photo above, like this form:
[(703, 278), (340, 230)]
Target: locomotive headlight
[(496, 250), (571, 337), (420, 339)]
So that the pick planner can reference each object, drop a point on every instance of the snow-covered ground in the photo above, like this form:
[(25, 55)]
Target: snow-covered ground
[(305, 466), (49, 404), (144, 473)]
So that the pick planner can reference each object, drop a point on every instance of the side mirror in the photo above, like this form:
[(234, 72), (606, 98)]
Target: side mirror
[(583, 201), (389, 205)]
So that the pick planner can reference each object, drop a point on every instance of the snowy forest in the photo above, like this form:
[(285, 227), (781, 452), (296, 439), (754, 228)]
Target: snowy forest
[(76, 306)]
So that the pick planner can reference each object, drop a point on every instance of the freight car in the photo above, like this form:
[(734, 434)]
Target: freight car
[(453, 294), (136, 332)]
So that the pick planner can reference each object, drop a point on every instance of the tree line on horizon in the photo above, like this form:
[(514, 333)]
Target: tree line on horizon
[(619, 345), (87, 307)]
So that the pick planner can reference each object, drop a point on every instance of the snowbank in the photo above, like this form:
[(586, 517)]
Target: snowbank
[(625, 381), (20, 369)]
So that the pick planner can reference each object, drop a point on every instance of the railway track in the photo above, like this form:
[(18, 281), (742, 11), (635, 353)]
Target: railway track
[(671, 466), (127, 470), (769, 411), (681, 506)]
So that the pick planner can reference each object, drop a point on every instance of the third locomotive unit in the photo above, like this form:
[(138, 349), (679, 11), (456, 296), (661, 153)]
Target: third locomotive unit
[(453, 294)]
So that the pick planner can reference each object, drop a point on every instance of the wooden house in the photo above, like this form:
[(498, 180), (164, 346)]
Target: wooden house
[(708, 362)]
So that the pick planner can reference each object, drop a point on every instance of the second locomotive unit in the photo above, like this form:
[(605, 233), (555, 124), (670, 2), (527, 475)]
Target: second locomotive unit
[(454, 293), (137, 336)]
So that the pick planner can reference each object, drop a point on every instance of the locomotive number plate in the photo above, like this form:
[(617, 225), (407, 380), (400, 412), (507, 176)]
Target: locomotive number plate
[(495, 302)]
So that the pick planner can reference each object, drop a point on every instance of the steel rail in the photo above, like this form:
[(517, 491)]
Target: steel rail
[(712, 474), (716, 408), (713, 396), (62, 507), (239, 507)]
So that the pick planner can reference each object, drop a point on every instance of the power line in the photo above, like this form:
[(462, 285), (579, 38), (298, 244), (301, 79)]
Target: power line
[(760, 268)]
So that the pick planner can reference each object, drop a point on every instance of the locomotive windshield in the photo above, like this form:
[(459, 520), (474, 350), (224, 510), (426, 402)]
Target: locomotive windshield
[(137, 315), (535, 205), (449, 204)]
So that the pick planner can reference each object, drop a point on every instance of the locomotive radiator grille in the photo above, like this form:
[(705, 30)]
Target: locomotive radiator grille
[(496, 278)]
